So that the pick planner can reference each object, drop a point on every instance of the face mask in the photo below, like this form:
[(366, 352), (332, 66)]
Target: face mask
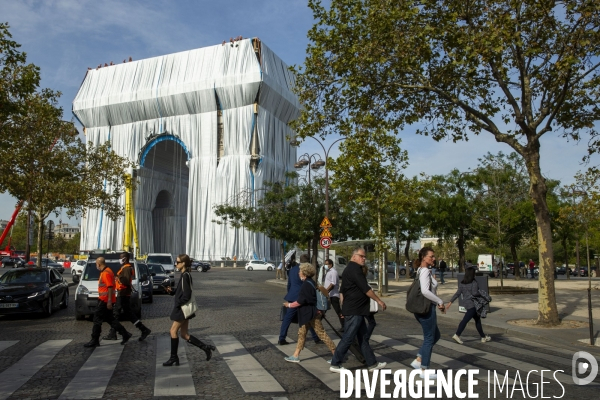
[(122, 261)]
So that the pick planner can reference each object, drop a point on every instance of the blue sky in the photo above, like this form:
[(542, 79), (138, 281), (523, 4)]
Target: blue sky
[(64, 37)]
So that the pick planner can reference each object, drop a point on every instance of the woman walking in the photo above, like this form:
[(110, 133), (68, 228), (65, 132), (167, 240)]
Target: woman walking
[(469, 288), (308, 315), (428, 321), (183, 294)]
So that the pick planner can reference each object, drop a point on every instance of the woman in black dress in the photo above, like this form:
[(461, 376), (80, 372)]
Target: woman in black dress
[(183, 294)]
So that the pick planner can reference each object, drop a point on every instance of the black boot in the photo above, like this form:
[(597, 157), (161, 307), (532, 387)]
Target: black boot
[(145, 331), (126, 336), (92, 343), (207, 348), (174, 359), (112, 335)]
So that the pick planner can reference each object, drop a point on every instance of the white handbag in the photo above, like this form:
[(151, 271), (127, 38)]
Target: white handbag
[(374, 307), (190, 307)]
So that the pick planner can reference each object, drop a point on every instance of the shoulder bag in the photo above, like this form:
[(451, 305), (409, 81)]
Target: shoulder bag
[(416, 303), (322, 300), (190, 307)]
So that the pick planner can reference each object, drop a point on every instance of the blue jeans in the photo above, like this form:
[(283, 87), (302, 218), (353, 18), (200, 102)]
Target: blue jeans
[(431, 334), (470, 314), (371, 324), (290, 313), (442, 277), (354, 327)]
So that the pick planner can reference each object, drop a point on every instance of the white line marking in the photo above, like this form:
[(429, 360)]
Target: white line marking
[(173, 380), (247, 370), (23, 370), (93, 377), (5, 344)]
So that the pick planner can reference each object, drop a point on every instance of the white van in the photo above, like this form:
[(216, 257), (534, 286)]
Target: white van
[(486, 263), (164, 259)]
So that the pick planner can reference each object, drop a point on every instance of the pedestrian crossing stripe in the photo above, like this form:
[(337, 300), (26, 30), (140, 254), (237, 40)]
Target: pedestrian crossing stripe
[(248, 371), (499, 359), (93, 378), (23, 370)]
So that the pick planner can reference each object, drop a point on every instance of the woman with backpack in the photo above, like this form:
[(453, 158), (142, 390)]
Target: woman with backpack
[(308, 315), (428, 320), (469, 288)]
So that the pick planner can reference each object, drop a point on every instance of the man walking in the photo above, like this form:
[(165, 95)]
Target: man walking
[(279, 273), (104, 311), (356, 306), (124, 289), (443, 267), (293, 290), (332, 285), (531, 267)]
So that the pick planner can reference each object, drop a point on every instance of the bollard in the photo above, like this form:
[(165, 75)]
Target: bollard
[(222, 264), (235, 264)]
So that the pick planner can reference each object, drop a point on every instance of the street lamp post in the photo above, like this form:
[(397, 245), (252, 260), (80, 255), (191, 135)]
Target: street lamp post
[(312, 161), (295, 142)]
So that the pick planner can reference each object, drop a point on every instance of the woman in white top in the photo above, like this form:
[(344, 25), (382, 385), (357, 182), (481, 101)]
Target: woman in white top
[(428, 321)]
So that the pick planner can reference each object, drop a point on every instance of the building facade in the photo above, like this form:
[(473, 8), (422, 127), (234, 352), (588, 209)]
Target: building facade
[(203, 126)]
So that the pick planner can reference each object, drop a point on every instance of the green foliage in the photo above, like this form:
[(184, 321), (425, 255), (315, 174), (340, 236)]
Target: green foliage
[(18, 80)]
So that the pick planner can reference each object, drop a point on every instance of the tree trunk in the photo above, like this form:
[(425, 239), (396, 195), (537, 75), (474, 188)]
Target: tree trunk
[(547, 310), (397, 277), (567, 268), (381, 256), (315, 249), (308, 247), (40, 238), (460, 244), (577, 254), (517, 266), (406, 255)]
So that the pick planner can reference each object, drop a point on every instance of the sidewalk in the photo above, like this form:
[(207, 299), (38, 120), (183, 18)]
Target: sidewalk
[(571, 299)]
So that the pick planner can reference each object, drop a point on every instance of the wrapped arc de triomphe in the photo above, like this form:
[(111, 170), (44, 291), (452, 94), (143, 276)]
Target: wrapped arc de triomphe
[(202, 126)]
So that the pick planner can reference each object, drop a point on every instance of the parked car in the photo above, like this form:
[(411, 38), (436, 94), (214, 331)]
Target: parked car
[(12, 262), (511, 267), (47, 263), (160, 278), (200, 266), (86, 295), (583, 271), (77, 270), (259, 265), (165, 259), (562, 270), (33, 290), (146, 283)]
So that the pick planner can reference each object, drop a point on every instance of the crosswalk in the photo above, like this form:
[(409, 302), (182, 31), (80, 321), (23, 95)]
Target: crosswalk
[(93, 378)]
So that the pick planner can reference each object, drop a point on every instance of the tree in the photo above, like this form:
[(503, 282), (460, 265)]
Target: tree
[(449, 208), (52, 169), (513, 70), (370, 174), (504, 212), (18, 80)]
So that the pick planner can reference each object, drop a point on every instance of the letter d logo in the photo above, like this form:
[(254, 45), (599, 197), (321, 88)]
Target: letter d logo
[(583, 367)]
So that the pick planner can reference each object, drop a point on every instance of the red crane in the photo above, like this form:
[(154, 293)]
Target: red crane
[(8, 250)]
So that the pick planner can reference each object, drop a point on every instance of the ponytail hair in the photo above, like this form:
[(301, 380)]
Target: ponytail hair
[(422, 254)]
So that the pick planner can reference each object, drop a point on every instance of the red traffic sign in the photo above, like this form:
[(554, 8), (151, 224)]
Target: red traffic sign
[(325, 242)]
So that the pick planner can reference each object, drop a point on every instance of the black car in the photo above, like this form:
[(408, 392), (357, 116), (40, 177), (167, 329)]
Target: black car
[(12, 262), (200, 266), (47, 263), (146, 283), (583, 271), (160, 278), (32, 290), (562, 270)]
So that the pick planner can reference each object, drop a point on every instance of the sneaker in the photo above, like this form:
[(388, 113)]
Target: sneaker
[(415, 364), (430, 374), (283, 342), (292, 359), (377, 366), (457, 339), (126, 337), (486, 339), (336, 368)]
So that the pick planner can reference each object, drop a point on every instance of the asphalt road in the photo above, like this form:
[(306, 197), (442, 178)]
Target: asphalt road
[(239, 306)]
